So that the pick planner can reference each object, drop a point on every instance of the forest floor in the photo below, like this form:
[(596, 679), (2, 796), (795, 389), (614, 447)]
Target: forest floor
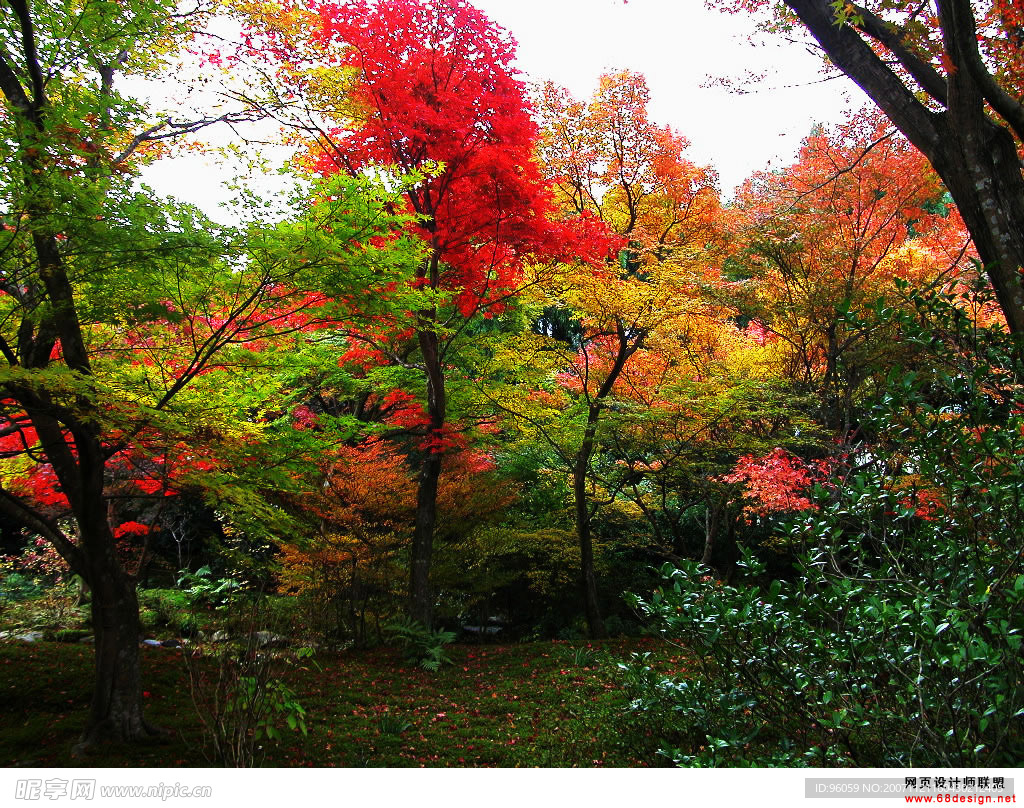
[(529, 704)]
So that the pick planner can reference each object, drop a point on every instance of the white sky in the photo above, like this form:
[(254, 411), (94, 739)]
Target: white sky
[(679, 46)]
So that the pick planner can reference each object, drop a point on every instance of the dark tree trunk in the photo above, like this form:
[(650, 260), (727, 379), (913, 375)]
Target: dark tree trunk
[(115, 714), (975, 155), (720, 550), (421, 601), (711, 520), (116, 710), (628, 344), (981, 169), (588, 579)]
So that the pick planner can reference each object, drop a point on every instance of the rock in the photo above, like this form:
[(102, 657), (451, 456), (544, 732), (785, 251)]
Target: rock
[(265, 638), (29, 636), (220, 636), (89, 639), (482, 631), (171, 644), (152, 643)]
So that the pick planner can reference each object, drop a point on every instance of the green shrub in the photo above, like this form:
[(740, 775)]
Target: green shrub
[(238, 688), (17, 587), (148, 618), (170, 608), (897, 642), (70, 634)]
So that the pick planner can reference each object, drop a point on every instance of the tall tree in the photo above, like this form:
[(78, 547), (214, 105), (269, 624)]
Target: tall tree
[(948, 76), (858, 211), (428, 87), (116, 311), (607, 158)]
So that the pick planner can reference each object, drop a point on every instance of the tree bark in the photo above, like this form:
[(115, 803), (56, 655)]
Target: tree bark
[(115, 713), (628, 344), (720, 550), (588, 578), (421, 601)]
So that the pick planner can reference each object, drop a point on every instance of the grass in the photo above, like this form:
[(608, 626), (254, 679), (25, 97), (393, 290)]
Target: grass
[(530, 704)]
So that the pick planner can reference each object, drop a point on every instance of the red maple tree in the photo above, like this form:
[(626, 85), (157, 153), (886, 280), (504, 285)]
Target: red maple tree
[(433, 94)]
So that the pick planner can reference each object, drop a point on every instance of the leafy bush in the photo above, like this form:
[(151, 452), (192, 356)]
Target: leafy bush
[(898, 641), (237, 687), (171, 608), (241, 702), (239, 692), (70, 634), (201, 588), (17, 587), (421, 645)]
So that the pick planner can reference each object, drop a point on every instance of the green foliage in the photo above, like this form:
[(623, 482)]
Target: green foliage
[(201, 589), (421, 645), (881, 670), (241, 702), (70, 634), (17, 587), (583, 656), (898, 640), (238, 689), (172, 608), (268, 705)]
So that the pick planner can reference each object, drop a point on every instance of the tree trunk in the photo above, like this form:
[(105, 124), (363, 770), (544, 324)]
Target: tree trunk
[(627, 346), (421, 602), (711, 515), (115, 714), (720, 550), (588, 579), (980, 167)]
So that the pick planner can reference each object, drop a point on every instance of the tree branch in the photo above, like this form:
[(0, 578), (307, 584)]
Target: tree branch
[(930, 80), (855, 57)]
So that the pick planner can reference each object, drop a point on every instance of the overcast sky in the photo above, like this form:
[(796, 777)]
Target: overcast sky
[(680, 47)]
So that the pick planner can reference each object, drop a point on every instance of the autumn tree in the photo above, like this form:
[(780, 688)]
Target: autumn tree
[(948, 77), (606, 158), (428, 87), (858, 212), (125, 321)]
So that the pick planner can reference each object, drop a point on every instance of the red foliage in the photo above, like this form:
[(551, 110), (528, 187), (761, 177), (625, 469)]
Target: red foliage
[(778, 482), (130, 528), (437, 87)]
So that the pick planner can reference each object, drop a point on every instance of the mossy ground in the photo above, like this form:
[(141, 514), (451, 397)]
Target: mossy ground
[(529, 704)]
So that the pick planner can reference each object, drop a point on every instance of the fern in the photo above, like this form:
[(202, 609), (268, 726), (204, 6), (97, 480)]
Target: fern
[(421, 645)]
